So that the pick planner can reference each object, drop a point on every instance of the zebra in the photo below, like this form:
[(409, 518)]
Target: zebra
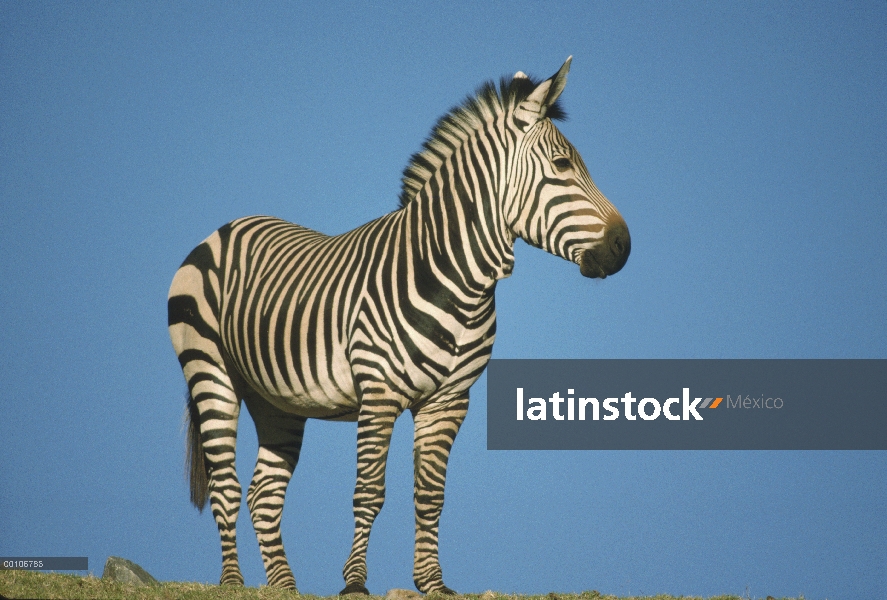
[(395, 315)]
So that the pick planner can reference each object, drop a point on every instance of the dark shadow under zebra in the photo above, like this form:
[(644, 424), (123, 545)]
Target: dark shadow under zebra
[(396, 315)]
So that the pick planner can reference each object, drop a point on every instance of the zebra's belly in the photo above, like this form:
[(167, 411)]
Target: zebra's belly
[(328, 396), (316, 404), (336, 409), (334, 397)]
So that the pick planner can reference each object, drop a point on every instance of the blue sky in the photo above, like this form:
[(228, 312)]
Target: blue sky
[(744, 145)]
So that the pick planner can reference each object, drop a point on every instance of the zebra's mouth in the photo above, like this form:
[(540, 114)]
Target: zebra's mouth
[(609, 256), (589, 267)]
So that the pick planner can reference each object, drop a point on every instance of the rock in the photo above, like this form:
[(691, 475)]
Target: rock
[(125, 571), (397, 594), (488, 595)]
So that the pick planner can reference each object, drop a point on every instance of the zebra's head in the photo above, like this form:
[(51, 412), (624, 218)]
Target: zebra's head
[(551, 201)]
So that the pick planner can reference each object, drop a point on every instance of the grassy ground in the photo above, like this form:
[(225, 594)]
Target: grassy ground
[(29, 584)]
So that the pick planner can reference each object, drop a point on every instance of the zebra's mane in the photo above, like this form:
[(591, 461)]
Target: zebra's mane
[(460, 122)]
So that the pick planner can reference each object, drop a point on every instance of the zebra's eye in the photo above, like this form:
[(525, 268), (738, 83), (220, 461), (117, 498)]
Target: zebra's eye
[(562, 164)]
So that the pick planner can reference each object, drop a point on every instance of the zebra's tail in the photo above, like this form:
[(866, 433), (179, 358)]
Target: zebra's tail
[(195, 459)]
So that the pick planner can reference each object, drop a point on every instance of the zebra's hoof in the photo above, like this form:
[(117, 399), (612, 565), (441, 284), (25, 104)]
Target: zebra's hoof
[(355, 588), (444, 591)]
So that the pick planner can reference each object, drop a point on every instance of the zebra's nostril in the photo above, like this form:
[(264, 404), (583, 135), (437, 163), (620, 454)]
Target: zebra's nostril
[(619, 241)]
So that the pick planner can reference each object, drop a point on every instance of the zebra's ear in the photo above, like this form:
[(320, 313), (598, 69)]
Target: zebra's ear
[(533, 109)]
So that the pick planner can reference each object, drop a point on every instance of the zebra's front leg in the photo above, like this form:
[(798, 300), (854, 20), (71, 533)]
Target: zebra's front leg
[(280, 437), (374, 427), (436, 427)]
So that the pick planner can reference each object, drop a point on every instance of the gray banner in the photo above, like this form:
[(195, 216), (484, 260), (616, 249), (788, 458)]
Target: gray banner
[(687, 404), (45, 563)]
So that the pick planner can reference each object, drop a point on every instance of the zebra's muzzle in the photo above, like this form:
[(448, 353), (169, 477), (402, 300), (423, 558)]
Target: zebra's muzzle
[(609, 256)]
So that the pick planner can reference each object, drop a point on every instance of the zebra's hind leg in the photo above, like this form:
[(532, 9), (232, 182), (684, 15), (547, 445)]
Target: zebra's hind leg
[(436, 426), (374, 427), (215, 405), (215, 390), (280, 441)]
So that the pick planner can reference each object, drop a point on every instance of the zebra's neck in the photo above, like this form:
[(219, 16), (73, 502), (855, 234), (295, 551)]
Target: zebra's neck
[(458, 220)]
